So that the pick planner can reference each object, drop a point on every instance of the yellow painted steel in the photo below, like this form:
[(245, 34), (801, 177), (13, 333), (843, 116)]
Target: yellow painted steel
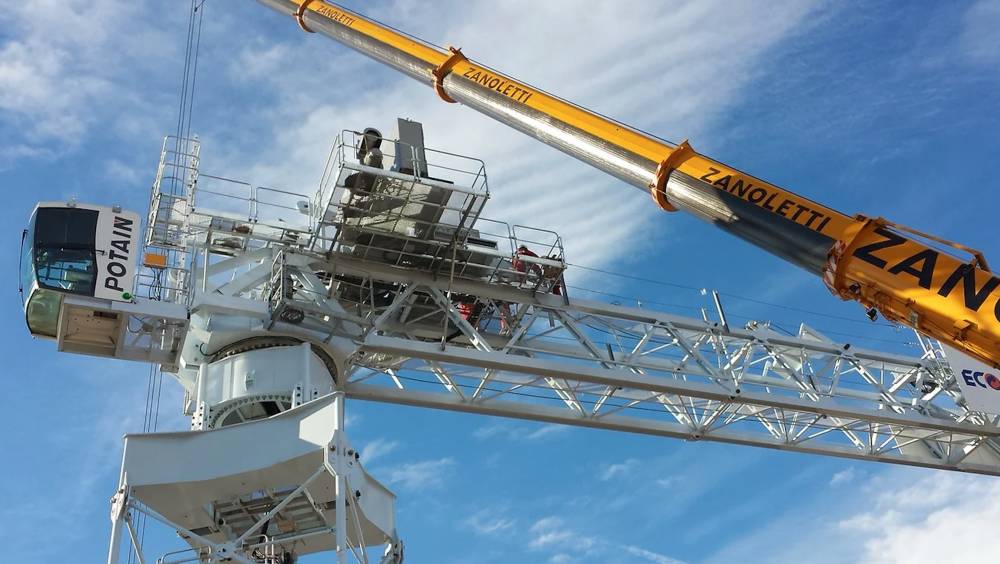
[(906, 280)]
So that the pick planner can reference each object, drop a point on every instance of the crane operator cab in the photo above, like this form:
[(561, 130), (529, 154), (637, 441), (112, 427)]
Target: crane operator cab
[(72, 249)]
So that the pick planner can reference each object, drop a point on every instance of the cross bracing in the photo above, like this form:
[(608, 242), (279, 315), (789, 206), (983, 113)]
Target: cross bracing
[(597, 365)]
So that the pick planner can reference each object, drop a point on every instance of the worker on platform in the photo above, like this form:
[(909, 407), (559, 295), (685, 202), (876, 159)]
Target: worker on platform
[(554, 273), (471, 310), (522, 267), (369, 153)]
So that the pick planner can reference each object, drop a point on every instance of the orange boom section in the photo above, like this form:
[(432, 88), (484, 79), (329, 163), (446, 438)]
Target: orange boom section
[(926, 288), (866, 260)]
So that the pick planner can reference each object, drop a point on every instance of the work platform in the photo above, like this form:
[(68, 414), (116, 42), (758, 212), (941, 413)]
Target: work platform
[(422, 215)]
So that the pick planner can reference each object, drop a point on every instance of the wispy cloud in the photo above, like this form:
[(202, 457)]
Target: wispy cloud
[(980, 37), (489, 522), (119, 171), (894, 517), (509, 431), (351, 419), (373, 450), (909, 520), (425, 474), (843, 477), (649, 555), (67, 66), (618, 469), (553, 534)]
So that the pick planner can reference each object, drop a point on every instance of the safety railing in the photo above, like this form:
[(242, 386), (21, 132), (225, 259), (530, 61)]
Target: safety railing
[(430, 164), (164, 283), (176, 174), (425, 217), (413, 219)]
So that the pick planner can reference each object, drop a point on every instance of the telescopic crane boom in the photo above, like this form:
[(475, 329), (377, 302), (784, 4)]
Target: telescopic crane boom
[(910, 277)]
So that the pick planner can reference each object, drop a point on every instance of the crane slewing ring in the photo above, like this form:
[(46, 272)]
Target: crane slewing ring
[(270, 341)]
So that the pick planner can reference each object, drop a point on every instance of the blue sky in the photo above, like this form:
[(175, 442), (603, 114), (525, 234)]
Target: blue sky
[(885, 109)]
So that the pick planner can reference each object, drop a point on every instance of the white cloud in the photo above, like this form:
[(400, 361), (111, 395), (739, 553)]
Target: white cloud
[(545, 523), (843, 477), (66, 66), (489, 522), (618, 470), (904, 516), (376, 449), (552, 533), (426, 474), (119, 171), (980, 37), (351, 420), (11, 154), (668, 482), (513, 432), (940, 518), (650, 556)]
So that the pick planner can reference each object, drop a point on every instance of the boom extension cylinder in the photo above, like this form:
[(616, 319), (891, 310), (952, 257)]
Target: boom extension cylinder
[(868, 261)]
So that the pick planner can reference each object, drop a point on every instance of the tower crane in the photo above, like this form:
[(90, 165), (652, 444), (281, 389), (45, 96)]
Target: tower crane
[(271, 308)]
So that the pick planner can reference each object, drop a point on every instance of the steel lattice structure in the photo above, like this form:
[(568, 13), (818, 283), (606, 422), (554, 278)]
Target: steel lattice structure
[(388, 284), (566, 360)]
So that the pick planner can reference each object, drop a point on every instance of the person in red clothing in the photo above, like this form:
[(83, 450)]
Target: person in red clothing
[(471, 310), (523, 267), (554, 273)]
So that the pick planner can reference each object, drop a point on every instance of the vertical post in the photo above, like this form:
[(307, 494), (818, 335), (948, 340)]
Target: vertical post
[(116, 540), (307, 394), (718, 307), (341, 519), (204, 267), (338, 401), (119, 505), (198, 421), (202, 384), (341, 481)]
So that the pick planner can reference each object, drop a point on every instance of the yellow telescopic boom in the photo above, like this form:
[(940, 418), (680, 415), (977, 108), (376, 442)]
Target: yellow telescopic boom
[(910, 277)]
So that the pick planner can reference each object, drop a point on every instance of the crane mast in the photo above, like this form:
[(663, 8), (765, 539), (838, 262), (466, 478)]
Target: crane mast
[(909, 277)]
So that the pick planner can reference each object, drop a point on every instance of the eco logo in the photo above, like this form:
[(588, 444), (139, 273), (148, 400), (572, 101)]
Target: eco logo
[(981, 379)]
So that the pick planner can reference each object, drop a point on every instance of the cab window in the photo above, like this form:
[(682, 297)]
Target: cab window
[(64, 254)]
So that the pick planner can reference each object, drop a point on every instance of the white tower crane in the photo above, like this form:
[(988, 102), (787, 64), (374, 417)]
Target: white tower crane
[(389, 284)]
